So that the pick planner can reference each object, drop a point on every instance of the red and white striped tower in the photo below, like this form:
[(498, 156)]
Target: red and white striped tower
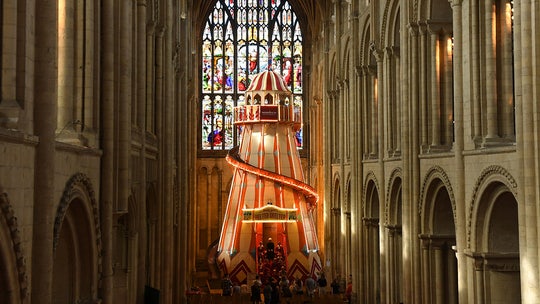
[(268, 197)]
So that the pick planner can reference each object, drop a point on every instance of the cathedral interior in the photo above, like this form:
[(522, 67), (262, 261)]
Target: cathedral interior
[(126, 143)]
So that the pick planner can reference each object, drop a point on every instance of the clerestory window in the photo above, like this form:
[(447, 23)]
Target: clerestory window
[(240, 39)]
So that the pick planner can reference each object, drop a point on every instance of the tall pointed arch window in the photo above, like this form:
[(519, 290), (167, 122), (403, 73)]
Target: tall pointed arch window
[(240, 39)]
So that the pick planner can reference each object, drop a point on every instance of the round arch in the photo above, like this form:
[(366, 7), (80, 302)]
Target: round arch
[(494, 236), (435, 181), (77, 243), (392, 206), (371, 196)]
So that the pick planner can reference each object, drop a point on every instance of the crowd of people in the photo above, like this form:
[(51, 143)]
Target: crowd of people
[(276, 290), (272, 282)]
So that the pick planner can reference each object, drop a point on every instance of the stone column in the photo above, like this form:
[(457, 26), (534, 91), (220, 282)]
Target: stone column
[(490, 66), (479, 279), (45, 117), (451, 261), (66, 62), (91, 59), (528, 211), (415, 128), (392, 265), (373, 102), (372, 260), (387, 115), (108, 80), (366, 106), (168, 111), (438, 275), (406, 111), (475, 65), (447, 77), (434, 80), (381, 236), (357, 185), (426, 261), (8, 45), (422, 89), (336, 224), (141, 71), (367, 261), (125, 58), (507, 71), (459, 138)]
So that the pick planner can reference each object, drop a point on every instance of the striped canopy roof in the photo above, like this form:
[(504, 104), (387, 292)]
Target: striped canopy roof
[(268, 81)]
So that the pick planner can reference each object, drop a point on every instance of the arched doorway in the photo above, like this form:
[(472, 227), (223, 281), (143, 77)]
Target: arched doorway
[(75, 274), (438, 238), (371, 245), (394, 244), (77, 244), (496, 257)]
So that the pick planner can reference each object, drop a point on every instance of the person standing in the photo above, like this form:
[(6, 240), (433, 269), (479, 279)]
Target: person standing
[(267, 292), (275, 292), (226, 286), (255, 293), (310, 286), (322, 284), (348, 291), (335, 285)]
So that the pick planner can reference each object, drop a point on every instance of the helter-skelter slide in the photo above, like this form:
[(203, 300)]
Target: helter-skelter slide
[(309, 192), (268, 197)]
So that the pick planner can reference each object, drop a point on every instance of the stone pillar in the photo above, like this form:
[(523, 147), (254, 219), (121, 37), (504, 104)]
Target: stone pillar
[(447, 77), (426, 261), (108, 80), (140, 56), (125, 98), (387, 115), (415, 128), (434, 80), (374, 260), (391, 270), (66, 62), (528, 211), (474, 40), (45, 117), (507, 71), (373, 102), (366, 111), (490, 66), (479, 279), (451, 261), (357, 190), (9, 50), (381, 236), (421, 67), (405, 144), (90, 119), (439, 280), (336, 224), (459, 138)]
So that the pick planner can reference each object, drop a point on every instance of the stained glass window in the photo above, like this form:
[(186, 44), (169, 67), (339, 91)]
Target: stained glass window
[(240, 39)]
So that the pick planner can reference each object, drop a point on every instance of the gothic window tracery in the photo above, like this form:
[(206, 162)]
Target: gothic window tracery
[(240, 39)]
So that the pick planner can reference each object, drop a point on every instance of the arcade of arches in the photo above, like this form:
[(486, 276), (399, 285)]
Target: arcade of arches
[(419, 134)]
